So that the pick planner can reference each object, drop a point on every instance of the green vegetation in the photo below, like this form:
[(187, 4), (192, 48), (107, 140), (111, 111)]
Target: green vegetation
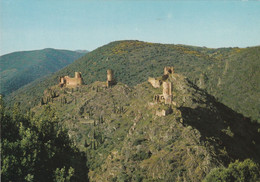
[(38, 149), (246, 171), (118, 130), (230, 74), (20, 68), (125, 141)]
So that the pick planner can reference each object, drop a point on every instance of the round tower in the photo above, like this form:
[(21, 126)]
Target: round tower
[(109, 75), (77, 75), (62, 80)]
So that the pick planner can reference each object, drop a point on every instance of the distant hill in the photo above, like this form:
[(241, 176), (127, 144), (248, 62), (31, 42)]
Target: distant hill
[(20, 68), (125, 140), (82, 51), (230, 74)]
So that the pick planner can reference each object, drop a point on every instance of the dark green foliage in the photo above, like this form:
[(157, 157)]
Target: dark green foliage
[(38, 149), (246, 171), (139, 141), (141, 155), (21, 68)]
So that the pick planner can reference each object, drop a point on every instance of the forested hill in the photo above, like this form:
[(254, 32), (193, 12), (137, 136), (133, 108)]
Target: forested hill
[(20, 68), (125, 139), (230, 74)]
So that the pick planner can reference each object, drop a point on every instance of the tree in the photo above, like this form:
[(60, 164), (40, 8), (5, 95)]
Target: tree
[(38, 148), (246, 171)]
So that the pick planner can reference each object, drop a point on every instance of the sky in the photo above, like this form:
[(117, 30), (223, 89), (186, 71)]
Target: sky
[(89, 24)]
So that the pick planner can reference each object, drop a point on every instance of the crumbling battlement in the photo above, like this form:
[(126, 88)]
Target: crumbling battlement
[(66, 81), (168, 70)]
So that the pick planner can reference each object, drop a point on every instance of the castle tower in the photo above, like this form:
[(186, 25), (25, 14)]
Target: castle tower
[(77, 74), (168, 70), (167, 88), (110, 78), (167, 92), (109, 75), (62, 81)]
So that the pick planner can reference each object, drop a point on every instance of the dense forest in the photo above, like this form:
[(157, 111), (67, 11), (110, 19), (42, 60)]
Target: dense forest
[(38, 149)]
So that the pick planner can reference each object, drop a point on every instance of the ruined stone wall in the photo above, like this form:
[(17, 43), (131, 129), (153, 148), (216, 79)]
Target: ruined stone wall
[(167, 92), (167, 88), (159, 98), (164, 112), (71, 82), (155, 83), (168, 70)]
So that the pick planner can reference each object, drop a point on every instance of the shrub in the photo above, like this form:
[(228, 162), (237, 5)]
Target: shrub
[(246, 171)]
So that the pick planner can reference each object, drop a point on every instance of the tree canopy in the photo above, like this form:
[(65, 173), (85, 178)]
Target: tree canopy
[(38, 149)]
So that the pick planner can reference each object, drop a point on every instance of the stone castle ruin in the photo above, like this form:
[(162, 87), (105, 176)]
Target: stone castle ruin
[(166, 96), (66, 81), (156, 83), (167, 92)]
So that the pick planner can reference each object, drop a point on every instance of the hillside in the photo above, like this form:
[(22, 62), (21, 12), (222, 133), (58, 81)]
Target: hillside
[(20, 68), (230, 74), (126, 141)]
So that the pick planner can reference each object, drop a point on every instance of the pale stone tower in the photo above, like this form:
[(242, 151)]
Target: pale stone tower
[(167, 92), (110, 78), (77, 75), (62, 81)]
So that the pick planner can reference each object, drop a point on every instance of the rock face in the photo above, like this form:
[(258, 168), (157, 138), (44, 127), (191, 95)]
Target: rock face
[(164, 112), (66, 81), (125, 140)]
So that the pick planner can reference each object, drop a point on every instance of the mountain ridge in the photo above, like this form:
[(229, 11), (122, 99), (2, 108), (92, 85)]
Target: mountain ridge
[(215, 70)]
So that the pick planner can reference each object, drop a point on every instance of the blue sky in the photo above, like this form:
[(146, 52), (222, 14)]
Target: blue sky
[(85, 24)]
